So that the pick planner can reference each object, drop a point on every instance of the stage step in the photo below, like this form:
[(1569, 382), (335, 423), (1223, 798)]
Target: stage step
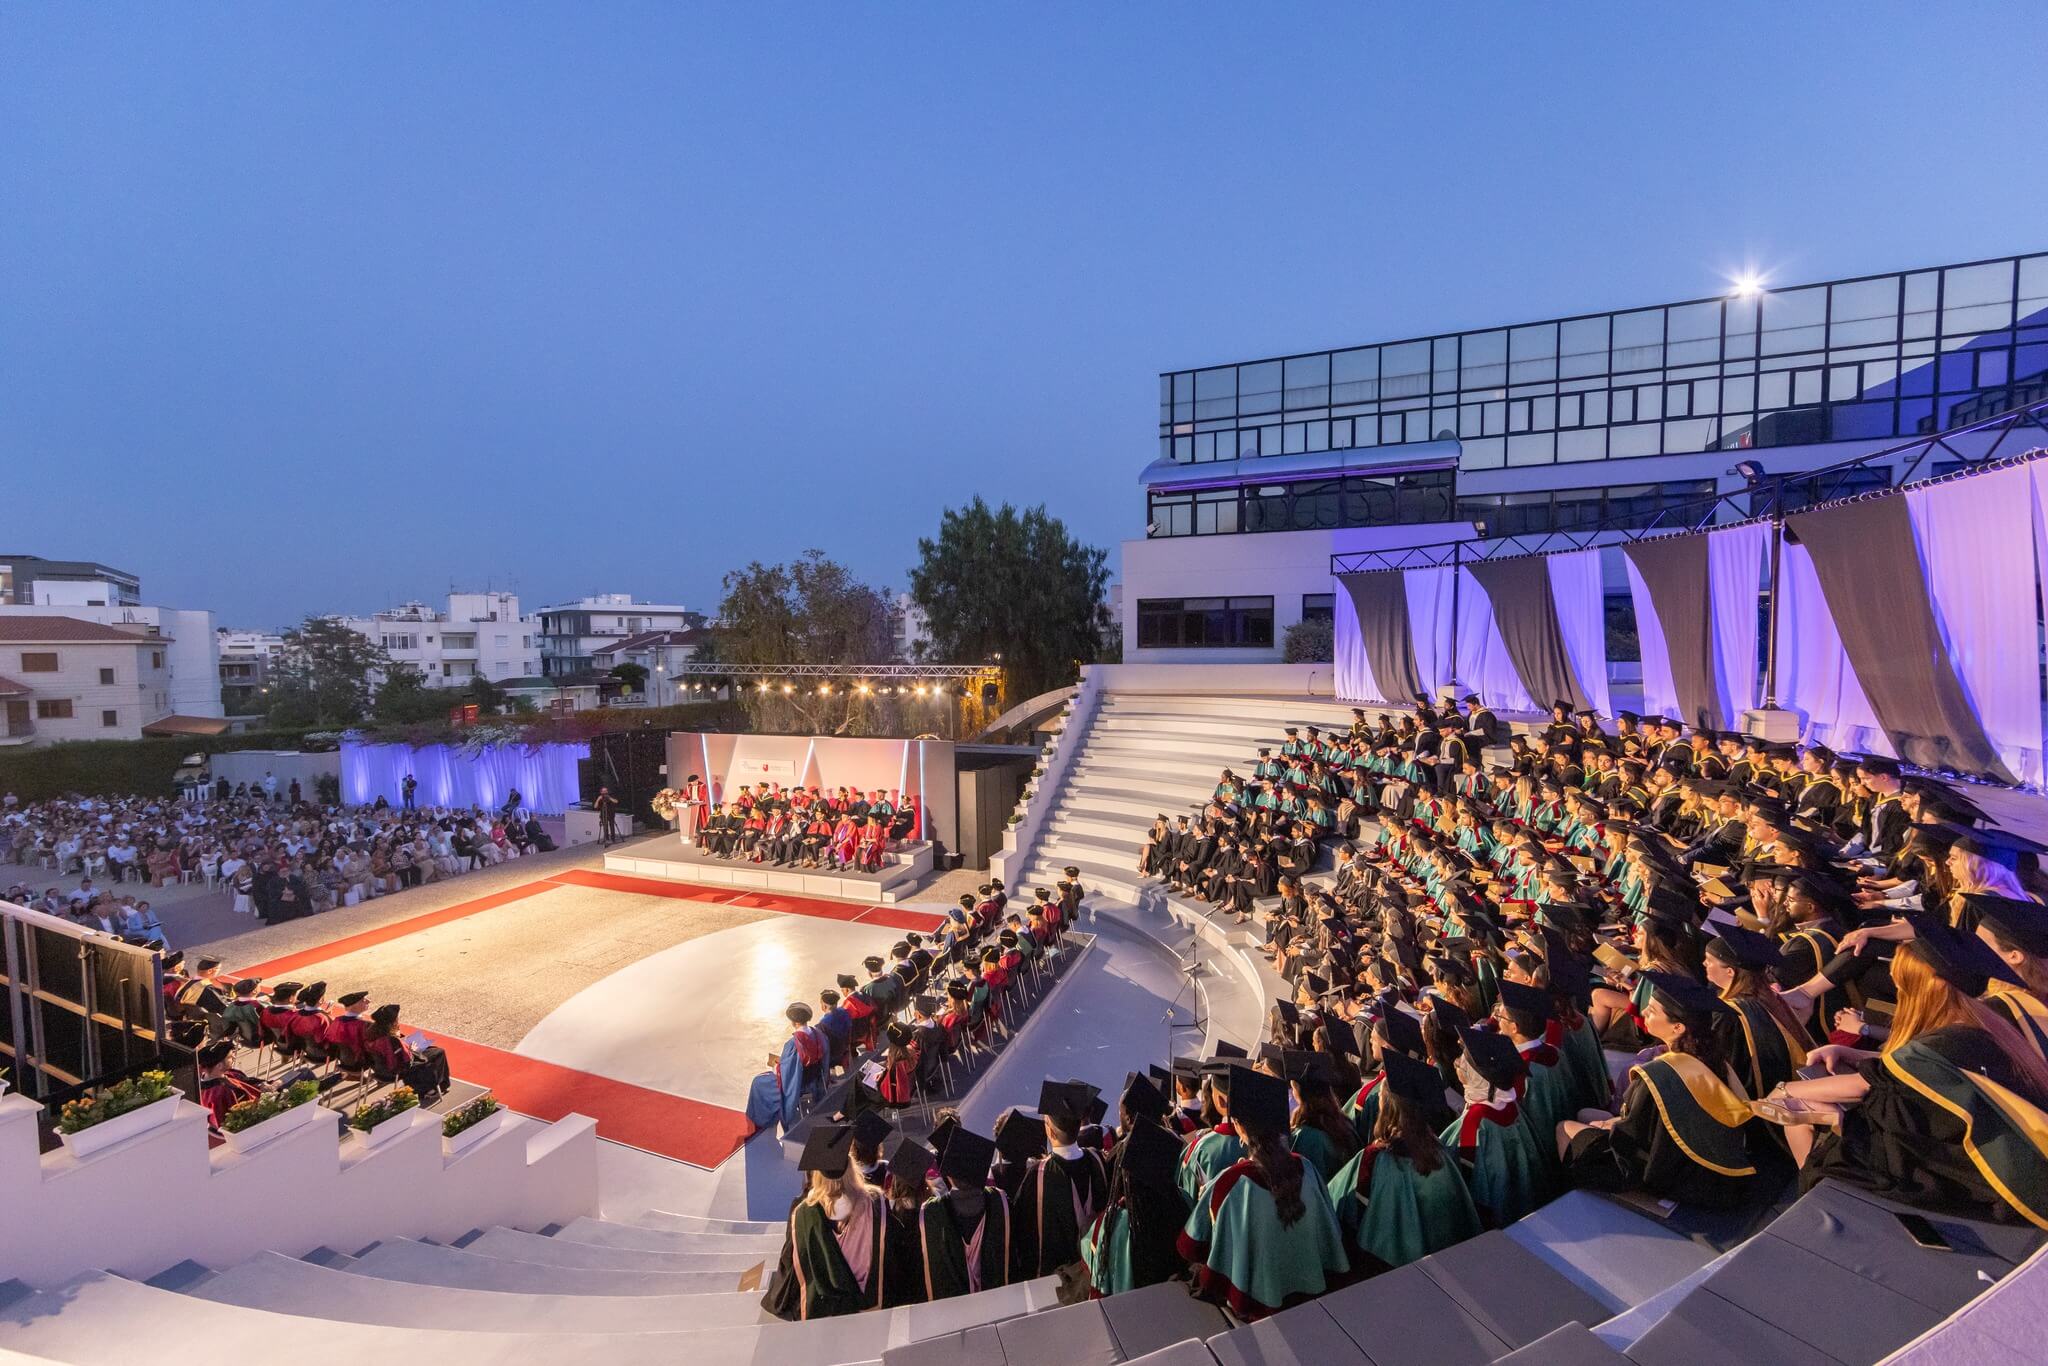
[(512, 1245), (698, 1223), (606, 1233), (285, 1285), (403, 1259)]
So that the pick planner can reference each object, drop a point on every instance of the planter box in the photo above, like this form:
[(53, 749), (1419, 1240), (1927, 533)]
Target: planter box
[(388, 1130), (476, 1132), (107, 1133), (301, 1116)]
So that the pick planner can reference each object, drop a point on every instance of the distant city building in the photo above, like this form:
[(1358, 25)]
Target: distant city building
[(247, 661), (32, 581), (479, 635), (658, 652), (572, 633), (188, 638), (67, 678), (907, 628)]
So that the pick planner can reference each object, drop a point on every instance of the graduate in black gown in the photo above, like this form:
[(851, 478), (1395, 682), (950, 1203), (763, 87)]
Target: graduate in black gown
[(907, 1191), (1020, 1137), (1131, 1242), (1683, 1133), (1063, 1190), (964, 1230), (835, 1261)]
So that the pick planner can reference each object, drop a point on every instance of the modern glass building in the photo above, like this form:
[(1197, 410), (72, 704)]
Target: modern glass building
[(1562, 423)]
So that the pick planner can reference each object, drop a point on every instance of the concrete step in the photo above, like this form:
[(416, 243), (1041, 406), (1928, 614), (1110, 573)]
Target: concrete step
[(1111, 828), (605, 1233), (403, 1259), (1220, 749), (285, 1285), (513, 1245), (698, 1223)]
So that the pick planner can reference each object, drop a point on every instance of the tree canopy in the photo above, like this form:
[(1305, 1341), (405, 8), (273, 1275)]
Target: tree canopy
[(999, 581), (809, 611), (324, 676)]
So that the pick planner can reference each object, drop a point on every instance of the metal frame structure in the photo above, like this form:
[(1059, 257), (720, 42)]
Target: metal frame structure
[(1761, 499), (27, 1000)]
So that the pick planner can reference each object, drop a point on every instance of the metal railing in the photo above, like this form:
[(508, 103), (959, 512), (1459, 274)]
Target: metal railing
[(1767, 496)]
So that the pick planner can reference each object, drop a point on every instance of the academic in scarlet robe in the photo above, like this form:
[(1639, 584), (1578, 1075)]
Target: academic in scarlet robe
[(827, 1284), (1944, 1127), (1243, 1256), (1055, 1205), (965, 1236), (1391, 1214), (1683, 1135)]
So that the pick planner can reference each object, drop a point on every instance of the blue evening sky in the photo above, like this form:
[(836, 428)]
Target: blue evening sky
[(311, 308)]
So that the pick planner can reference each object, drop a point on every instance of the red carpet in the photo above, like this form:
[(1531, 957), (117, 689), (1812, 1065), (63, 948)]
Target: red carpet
[(692, 1131), (672, 1126)]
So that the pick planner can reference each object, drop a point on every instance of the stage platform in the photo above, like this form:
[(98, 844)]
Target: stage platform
[(666, 857)]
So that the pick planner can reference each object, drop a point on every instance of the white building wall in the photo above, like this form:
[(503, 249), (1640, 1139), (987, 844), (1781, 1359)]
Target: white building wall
[(140, 691), (192, 658), (1285, 565)]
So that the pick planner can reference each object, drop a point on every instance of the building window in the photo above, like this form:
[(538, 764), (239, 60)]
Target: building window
[(1319, 607), (1205, 623), (110, 717), (1307, 505), (156, 659), (106, 678), (39, 663), (53, 709)]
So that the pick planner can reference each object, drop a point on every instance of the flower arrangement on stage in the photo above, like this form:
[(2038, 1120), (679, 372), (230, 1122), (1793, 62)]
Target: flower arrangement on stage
[(476, 1112), (372, 1113), (268, 1106), (113, 1101), (666, 803)]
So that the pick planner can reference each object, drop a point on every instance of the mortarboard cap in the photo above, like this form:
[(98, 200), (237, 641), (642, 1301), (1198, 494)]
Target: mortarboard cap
[(247, 986), (1743, 947), (965, 1158), (385, 1014), (1449, 1014), (1964, 961), (1063, 1102), (908, 1157), (1524, 999), (869, 1129), (1403, 1033), (928, 1005), (310, 994), (1149, 1156), (1019, 1135), (215, 1053), (1685, 998), (1494, 1056), (1141, 1099), (1258, 1099), (828, 1150), (1412, 1079), (942, 1132), (353, 998), (2022, 924), (1227, 1049)]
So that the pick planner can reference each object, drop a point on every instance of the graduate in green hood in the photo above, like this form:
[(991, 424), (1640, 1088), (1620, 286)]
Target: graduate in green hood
[(1318, 1129), (1263, 1235), (1133, 1242), (1503, 1164), (1403, 1196), (964, 1230), (1548, 1097), (1683, 1133), (835, 1257), (1210, 1152), (1063, 1190)]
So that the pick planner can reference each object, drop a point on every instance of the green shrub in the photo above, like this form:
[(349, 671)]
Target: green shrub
[(130, 1094), (370, 1114)]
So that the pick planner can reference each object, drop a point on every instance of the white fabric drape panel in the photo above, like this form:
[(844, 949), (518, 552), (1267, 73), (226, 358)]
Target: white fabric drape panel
[(1660, 694), (1429, 622), (1354, 671), (1735, 576), (1814, 675), (544, 774), (1977, 550), (1577, 591), (1484, 665)]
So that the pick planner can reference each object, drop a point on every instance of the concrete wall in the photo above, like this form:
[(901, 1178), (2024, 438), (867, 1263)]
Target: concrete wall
[(248, 765), (191, 656), (153, 1200), (139, 694)]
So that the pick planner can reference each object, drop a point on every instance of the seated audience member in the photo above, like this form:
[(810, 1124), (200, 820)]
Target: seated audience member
[(1262, 1235), (1404, 1195), (424, 1069), (907, 1191), (1061, 1190), (221, 1087), (834, 1260), (1134, 1240), (1503, 1161), (964, 1229)]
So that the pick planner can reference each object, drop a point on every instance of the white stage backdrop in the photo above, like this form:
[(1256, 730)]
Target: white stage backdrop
[(1814, 674), (1429, 626), (1581, 602), (544, 774), (1660, 694), (1976, 541), (1735, 576), (1484, 665), (1354, 671)]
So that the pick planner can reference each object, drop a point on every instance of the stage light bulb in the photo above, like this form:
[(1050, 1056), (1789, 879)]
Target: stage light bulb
[(762, 686), (824, 688), (920, 690), (789, 687)]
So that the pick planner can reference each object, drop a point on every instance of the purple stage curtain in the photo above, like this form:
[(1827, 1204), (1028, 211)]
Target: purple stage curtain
[(544, 774), (1579, 595), (1867, 559), (1735, 576), (1660, 696), (1430, 627), (1484, 665), (1354, 670), (1382, 662), (1525, 617), (1977, 545), (1815, 677)]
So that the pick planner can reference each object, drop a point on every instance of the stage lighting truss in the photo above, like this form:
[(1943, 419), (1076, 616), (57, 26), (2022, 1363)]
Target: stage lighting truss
[(930, 682)]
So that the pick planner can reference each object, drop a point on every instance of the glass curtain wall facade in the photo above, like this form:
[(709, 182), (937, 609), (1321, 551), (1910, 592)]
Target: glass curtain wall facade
[(1880, 356)]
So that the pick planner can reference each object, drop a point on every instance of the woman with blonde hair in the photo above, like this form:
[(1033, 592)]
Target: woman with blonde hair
[(1949, 1114), (834, 1261)]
